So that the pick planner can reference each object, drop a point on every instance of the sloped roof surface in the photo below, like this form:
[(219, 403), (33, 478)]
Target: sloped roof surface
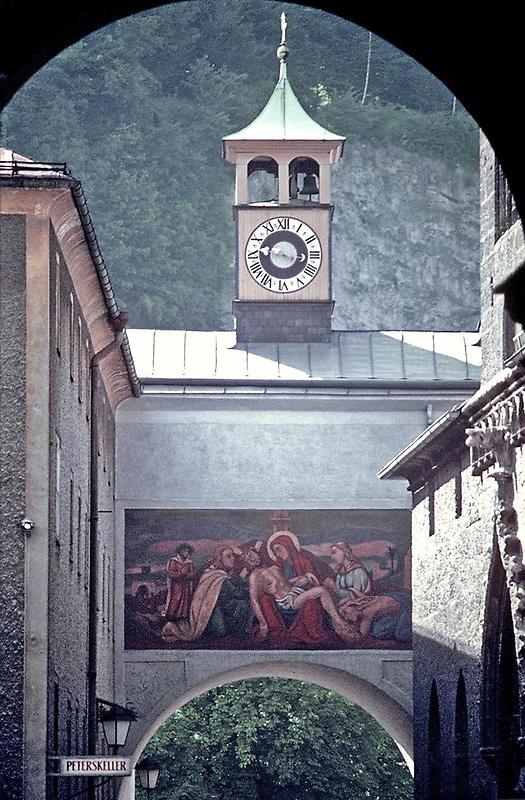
[(350, 355), (284, 118)]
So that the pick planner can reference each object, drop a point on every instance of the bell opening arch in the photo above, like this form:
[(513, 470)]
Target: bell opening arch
[(262, 180)]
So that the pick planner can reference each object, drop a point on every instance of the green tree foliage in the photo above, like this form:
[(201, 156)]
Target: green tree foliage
[(138, 110), (274, 739)]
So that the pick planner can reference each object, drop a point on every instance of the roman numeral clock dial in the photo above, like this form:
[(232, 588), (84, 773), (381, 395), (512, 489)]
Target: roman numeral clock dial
[(283, 255)]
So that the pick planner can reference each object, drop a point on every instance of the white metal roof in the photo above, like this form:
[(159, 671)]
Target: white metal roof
[(350, 355)]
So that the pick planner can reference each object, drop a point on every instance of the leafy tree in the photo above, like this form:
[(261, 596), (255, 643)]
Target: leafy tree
[(274, 739)]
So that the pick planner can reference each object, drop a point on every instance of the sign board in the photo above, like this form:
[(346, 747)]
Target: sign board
[(73, 766)]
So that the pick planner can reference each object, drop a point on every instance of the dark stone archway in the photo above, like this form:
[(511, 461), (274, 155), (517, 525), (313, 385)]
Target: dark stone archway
[(477, 55)]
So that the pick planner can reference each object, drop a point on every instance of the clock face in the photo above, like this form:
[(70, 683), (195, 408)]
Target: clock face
[(283, 254)]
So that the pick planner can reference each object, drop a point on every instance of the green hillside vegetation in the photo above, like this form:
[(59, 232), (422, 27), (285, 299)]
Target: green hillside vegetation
[(138, 109), (274, 739)]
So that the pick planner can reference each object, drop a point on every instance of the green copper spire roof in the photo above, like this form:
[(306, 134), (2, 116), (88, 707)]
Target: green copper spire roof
[(283, 117)]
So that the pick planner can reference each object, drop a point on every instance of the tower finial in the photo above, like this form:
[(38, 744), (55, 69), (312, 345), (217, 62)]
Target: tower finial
[(282, 50), (283, 28)]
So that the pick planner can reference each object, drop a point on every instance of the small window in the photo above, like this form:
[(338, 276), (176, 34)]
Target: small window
[(72, 519), (71, 338), (58, 326), (80, 533), (87, 362), (110, 598), (58, 467), (458, 491), (69, 727), (80, 364), (431, 509), (103, 587)]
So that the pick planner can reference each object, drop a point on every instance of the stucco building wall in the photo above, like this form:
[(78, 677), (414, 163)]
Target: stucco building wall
[(273, 450), (70, 354), (53, 318), (451, 558)]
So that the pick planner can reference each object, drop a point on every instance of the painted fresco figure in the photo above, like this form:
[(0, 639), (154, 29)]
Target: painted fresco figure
[(180, 580), (220, 604), (141, 619), (292, 596), (383, 616), (232, 614), (288, 599), (350, 572)]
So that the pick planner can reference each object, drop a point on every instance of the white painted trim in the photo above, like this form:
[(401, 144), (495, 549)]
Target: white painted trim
[(37, 508)]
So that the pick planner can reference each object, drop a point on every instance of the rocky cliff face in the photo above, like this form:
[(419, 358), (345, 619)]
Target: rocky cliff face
[(405, 242)]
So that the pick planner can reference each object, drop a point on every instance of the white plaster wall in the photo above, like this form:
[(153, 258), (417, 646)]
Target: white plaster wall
[(266, 451)]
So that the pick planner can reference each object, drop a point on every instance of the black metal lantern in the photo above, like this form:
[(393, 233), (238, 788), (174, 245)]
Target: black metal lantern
[(147, 771), (116, 721)]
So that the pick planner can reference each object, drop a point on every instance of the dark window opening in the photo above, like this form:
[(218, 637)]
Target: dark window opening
[(433, 782), (505, 211), (431, 510), (499, 708), (461, 741), (458, 491)]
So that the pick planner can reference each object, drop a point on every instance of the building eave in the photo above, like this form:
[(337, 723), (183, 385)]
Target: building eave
[(426, 451), (19, 172)]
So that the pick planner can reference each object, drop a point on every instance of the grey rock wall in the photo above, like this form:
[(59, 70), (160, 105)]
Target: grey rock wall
[(405, 242)]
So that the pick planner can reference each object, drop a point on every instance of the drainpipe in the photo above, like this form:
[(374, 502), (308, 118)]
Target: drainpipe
[(118, 324)]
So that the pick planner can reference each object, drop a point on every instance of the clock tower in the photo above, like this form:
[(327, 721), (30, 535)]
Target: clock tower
[(283, 214)]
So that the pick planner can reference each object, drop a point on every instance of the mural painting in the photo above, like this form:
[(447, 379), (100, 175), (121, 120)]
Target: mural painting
[(237, 579)]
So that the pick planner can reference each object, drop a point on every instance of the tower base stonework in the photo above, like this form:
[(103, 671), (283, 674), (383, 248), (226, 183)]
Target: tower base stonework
[(306, 321)]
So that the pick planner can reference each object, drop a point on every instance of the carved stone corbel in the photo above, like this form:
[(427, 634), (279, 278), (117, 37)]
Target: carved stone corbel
[(494, 439)]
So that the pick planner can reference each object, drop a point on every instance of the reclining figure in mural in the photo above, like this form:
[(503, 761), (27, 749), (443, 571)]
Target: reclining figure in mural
[(220, 604), (292, 596)]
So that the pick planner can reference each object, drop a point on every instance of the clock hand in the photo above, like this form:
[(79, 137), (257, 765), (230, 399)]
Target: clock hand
[(264, 250)]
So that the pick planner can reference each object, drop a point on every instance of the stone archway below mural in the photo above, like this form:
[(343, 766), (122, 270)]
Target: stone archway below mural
[(393, 718)]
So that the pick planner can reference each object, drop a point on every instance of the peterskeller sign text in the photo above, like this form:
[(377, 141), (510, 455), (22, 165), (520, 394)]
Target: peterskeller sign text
[(94, 765)]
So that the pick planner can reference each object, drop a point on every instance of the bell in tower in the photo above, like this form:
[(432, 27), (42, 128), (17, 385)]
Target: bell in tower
[(283, 213)]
